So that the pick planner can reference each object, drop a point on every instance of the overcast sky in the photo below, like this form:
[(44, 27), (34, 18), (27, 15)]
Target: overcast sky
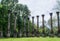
[(39, 7)]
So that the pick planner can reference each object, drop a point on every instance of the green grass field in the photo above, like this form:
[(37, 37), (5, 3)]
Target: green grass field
[(31, 39)]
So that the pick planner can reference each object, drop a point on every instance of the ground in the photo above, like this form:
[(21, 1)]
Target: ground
[(31, 39)]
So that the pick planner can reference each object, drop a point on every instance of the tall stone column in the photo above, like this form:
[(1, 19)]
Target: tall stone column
[(8, 32), (58, 22), (15, 18), (43, 24), (37, 33), (28, 28), (24, 26), (51, 23), (37, 23), (33, 26)]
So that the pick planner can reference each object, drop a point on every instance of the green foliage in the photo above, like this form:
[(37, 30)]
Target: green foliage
[(22, 11), (46, 29)]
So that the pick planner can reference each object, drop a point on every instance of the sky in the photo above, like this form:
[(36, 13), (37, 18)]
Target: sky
[(39, 7)]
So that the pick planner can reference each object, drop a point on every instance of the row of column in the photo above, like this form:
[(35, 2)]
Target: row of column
[(50, 20), (27, 33), (33, 24), (8, 30)]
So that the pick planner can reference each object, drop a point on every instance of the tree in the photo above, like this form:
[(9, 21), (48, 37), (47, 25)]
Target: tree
[(10, 5), (15, 20), (3, 19)]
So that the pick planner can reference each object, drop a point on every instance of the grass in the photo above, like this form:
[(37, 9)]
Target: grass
[(31, 39)]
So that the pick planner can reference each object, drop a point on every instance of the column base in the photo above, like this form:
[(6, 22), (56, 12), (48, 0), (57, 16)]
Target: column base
[(37, 33), (24, 34), (1, 34), (33, 33), (51, 35), (8, 34), (15, 34)]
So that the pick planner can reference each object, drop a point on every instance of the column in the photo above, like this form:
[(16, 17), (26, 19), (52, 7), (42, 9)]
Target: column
[(33, 26), (15, 18), (43, 23), (37, 23), (51, 23), (8, 33), (58, 21)]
